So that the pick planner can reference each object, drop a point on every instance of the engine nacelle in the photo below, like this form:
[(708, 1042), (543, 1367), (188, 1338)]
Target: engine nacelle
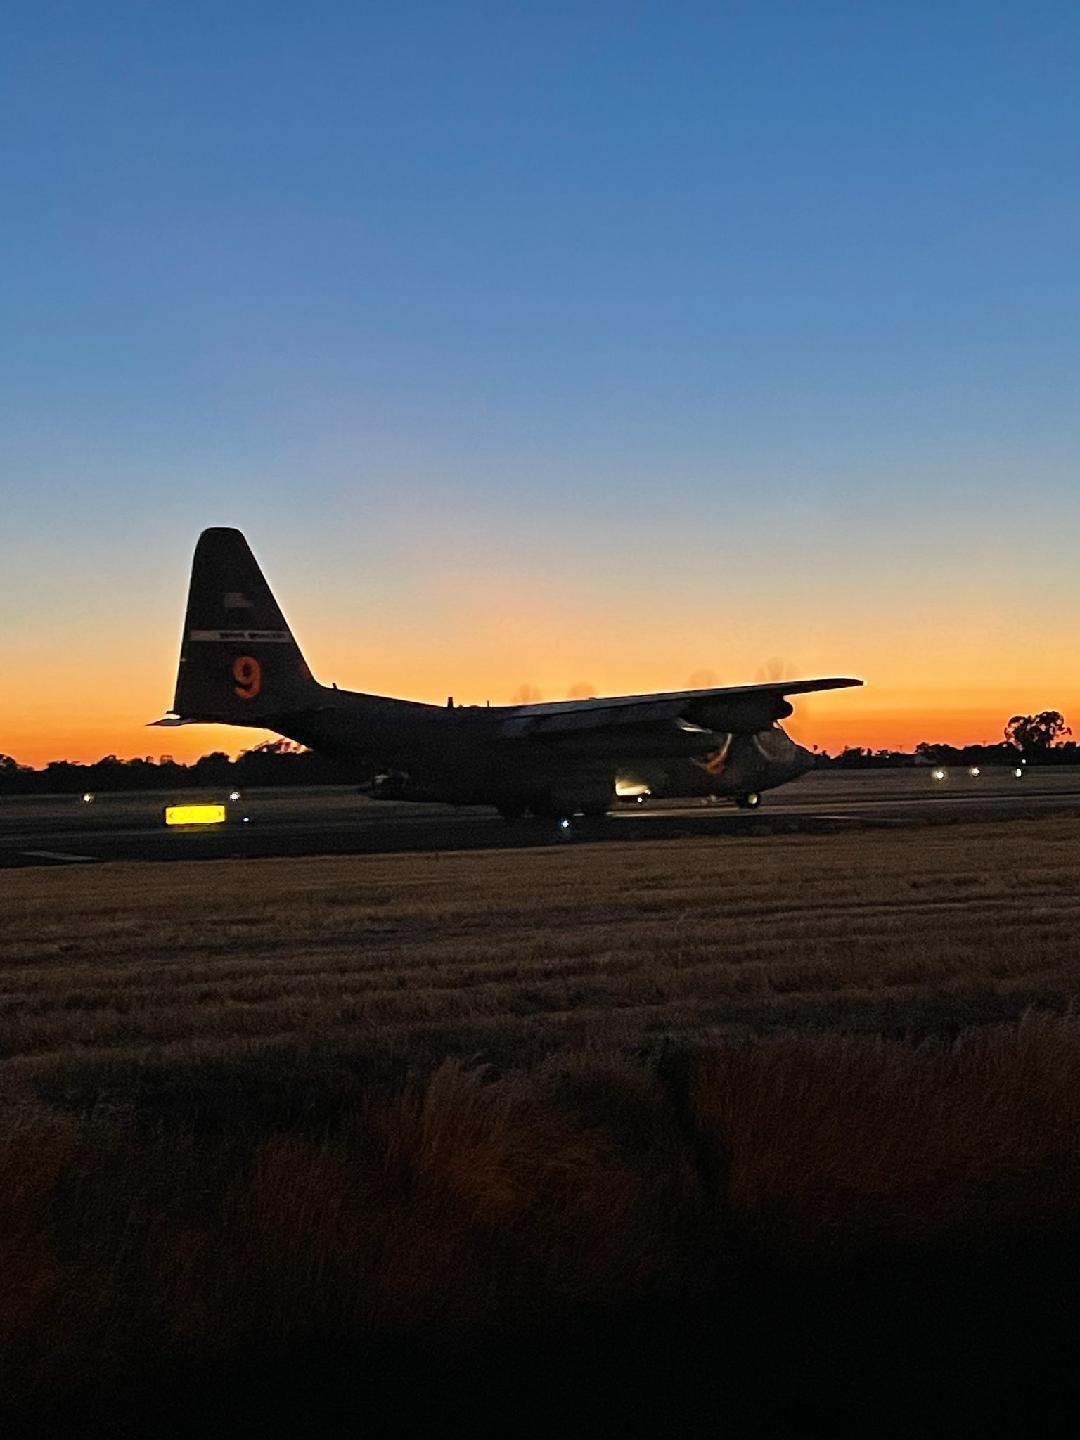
[(744, 714)]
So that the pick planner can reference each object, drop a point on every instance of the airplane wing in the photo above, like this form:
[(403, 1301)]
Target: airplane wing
[(737, 708)]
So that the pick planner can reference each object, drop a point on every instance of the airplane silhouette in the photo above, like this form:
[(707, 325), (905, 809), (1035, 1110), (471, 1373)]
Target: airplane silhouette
[(240, 665)]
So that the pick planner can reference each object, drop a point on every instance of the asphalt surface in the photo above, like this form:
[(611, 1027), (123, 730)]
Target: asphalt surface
[(66, 830)]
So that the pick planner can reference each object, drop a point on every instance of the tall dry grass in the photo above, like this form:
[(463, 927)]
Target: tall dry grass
[(542, 1119), (463, 1203), (123, 969)]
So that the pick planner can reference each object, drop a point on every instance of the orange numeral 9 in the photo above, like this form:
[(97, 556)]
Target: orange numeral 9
[(247, 672)]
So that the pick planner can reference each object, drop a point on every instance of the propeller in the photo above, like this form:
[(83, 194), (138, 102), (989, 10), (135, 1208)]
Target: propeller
[(776, 668), (702, 680), (779, 667)]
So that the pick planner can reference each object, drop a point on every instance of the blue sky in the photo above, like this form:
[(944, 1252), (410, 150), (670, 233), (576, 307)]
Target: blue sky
[(678, 312)]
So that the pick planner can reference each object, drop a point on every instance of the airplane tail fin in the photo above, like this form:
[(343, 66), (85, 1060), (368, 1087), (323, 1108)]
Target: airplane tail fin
[(239, 663)]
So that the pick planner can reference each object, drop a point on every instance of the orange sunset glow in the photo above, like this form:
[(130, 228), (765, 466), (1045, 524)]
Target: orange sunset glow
[(95, 692)]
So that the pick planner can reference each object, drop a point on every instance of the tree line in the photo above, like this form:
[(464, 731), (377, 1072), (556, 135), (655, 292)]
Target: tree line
[(1037, 739), (276, 763)]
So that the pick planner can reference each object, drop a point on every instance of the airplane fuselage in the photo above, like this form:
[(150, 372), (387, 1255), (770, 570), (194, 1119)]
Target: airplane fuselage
[(462, 755)]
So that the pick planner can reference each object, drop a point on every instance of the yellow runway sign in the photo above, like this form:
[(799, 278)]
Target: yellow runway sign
[(194, 814)]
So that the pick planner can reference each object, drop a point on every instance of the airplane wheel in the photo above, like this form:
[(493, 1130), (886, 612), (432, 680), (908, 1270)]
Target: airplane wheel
[(748, 802)]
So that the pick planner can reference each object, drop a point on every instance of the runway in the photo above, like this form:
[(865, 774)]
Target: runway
[(66, 830)]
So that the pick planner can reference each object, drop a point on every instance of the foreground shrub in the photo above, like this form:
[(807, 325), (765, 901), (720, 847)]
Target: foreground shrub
[(462, 1199)]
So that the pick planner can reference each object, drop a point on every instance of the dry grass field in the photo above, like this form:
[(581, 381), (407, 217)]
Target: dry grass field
[(759, 1131)]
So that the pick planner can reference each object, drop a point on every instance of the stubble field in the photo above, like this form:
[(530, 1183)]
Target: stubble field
[(356, 1137)]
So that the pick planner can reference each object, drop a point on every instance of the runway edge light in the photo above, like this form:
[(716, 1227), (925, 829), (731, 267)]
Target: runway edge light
[(194, 814)]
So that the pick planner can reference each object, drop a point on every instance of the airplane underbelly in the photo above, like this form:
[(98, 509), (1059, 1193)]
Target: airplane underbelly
[(734, 765)]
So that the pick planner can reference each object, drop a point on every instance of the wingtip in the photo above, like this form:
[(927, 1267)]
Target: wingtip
[(821, 682)]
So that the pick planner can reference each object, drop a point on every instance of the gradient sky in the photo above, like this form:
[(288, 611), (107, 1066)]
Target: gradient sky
[(577, 346)]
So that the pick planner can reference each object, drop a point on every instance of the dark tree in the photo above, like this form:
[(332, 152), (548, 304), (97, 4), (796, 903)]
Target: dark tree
[(213, 769), (1036, 735)]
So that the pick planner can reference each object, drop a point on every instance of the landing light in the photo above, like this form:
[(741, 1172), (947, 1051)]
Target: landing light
[(630, 789), (88, 799), (975, 772), (940, 774), (234, 794), (564, 823), (1018, 773), (194, 814)]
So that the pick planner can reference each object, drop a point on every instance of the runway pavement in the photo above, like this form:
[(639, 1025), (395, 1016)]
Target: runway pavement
[(66, 830)]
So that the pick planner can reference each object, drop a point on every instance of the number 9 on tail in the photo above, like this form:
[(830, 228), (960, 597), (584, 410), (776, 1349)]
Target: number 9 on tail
[(247, 672)]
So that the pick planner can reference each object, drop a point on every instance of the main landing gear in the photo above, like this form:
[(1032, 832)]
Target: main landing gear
[(748, 802)]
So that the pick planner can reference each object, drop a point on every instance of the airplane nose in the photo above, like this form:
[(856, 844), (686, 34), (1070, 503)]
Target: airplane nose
[(783, 759), (803, 760)]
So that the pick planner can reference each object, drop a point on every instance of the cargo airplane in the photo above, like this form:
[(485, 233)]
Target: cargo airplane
[(239, 665)]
